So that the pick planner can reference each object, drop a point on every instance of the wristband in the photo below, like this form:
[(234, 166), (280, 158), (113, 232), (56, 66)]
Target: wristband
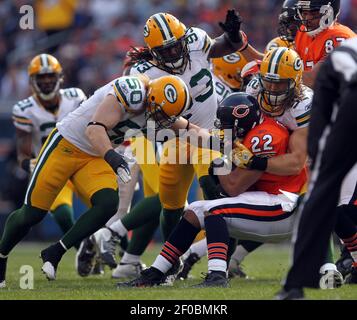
[(114, 159), (258, 163)]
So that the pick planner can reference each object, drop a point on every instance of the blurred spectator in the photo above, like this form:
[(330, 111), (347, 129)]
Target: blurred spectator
[(101, 31), (55, 17)]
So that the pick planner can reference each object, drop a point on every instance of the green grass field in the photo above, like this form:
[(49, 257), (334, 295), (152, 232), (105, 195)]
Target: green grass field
[(267, 266)]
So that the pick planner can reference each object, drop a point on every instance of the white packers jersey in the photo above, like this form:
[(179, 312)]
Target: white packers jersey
[(221, 88), (298, 115), (197, 76), (28, 115), (130, 93)]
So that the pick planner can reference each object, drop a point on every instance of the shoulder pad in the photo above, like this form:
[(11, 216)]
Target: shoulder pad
[(73, 93), (130, 92), (140, 67), (20, 117), (198, 40)]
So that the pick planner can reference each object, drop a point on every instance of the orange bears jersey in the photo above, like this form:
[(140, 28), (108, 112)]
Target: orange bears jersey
[(314, 49), (269, 139)]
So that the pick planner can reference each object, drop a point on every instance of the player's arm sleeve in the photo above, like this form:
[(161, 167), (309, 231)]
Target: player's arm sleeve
[(302, 113), (21, 120), (199, 40)]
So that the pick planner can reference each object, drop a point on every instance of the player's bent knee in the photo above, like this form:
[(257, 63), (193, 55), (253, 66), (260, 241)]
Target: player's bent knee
[(208, 187), (32, 215), (191, 217), (107, 199)]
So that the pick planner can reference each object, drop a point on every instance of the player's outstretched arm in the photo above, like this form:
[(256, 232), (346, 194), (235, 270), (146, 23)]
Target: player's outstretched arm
[(232, 39)]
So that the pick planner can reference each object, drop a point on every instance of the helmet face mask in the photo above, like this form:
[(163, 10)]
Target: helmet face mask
[(289, 23), (156, 113), (280, 80), (317, 15), (46, 76), (276, 95), (46, 85), (173, 56), (165, 37)]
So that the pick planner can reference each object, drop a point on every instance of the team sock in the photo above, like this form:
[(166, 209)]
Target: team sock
[(169, 218), (144, 211), (64, 217), (142, 236), (105, 204), (217, 242), (130, 258), (178, 243), (18, 225)]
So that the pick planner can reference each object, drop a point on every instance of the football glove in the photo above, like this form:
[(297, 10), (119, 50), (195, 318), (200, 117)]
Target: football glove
[(243, 158), (231, 27), (119, 165)]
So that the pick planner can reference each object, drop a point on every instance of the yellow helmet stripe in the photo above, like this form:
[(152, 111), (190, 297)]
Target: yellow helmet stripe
[(163, 26), (274, 61)]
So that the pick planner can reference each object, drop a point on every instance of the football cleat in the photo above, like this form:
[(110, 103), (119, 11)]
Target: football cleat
[(85, 257), (107, 241), (344, 263), (149, 278), (292, 294), (3, 263), (98, 268), (235, 270), (214, 279), (188, 263), (173, 272), (330, 277), (50, 258), (128, 270), (352, 277)]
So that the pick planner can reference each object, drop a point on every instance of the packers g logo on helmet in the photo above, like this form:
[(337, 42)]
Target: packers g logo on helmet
[(46, 76), (170, 93), (280, 80), (228, 69), (168, 97), (232, 58), (165, 36)]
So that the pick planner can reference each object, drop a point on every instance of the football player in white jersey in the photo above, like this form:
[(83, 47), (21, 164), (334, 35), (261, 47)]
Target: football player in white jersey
[(81, 149), (171, 48), (36, 116)]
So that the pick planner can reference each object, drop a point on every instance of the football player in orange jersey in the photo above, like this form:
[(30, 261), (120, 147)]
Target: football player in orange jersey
[(317, 36), (247, 214)]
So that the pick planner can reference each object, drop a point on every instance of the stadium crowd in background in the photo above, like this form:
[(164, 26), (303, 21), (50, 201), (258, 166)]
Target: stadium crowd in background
[(91, 38)]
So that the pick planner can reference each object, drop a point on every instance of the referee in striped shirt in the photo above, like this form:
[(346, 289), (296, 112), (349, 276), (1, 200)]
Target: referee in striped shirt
[(332, 149)]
